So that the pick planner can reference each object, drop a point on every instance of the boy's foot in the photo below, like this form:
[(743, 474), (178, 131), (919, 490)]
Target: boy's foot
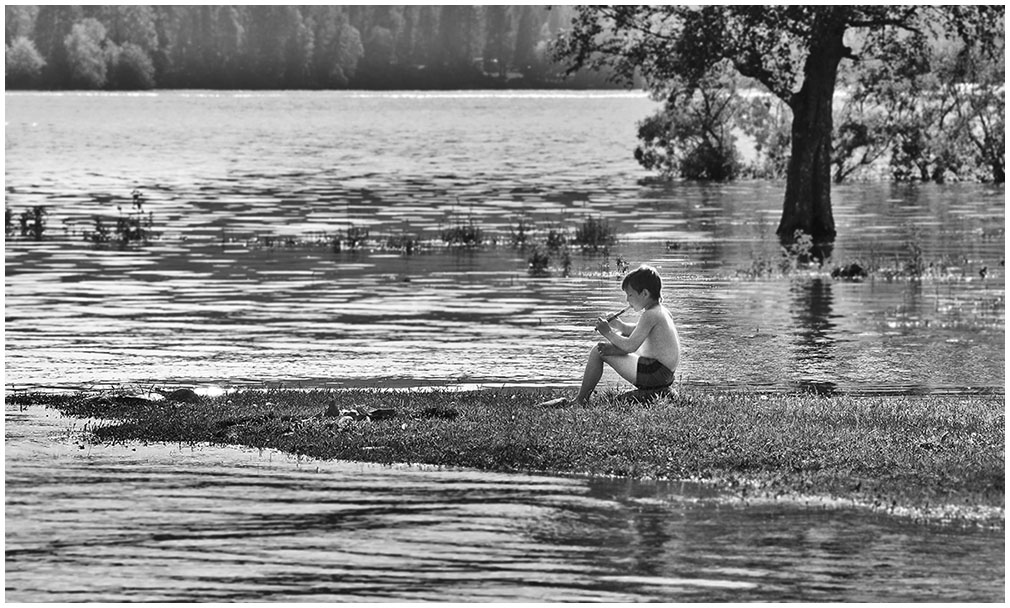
[(559, 402)]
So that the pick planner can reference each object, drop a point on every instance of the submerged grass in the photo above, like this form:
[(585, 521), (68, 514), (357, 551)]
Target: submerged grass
[(938, 457)]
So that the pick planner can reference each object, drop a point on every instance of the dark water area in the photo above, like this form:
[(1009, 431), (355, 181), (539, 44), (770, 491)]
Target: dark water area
[(163, 523), (242, 286)]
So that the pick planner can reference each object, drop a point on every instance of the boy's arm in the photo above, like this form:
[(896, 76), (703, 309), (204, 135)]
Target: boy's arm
[(622, 328), (628, 344)]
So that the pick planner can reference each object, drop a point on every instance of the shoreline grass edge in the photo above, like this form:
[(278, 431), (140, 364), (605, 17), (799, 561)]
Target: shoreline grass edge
[(931, 458)]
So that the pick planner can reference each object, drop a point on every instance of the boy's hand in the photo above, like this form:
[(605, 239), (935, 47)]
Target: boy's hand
[(606, 348), (603, 326)]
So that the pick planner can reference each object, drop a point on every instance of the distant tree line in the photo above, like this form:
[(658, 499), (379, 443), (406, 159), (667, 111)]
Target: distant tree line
[(286, 47)]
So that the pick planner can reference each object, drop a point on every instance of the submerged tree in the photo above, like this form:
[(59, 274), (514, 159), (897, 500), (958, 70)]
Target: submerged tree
[(792, 51)]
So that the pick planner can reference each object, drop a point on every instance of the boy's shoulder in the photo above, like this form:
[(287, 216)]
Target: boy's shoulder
[(658, 312)]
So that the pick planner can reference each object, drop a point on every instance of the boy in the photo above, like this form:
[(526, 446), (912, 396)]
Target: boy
[(646, 353)]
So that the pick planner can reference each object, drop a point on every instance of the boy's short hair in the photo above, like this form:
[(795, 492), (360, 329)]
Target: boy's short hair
[(644, 277)]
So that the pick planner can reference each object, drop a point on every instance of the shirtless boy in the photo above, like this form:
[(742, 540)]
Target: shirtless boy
[(645, 353)]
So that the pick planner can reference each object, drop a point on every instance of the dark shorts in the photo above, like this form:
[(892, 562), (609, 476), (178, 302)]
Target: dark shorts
[(652, 374)]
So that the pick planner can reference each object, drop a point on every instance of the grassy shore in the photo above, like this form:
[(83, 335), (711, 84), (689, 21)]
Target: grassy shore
[(936, 457)]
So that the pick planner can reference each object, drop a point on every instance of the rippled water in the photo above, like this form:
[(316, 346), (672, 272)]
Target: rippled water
[(175, 523), (219, 298)]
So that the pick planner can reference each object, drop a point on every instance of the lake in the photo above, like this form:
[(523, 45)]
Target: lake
[(241, 285)]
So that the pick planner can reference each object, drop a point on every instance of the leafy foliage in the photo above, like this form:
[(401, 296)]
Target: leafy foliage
[(792, 52), (23, 64), (130, 68), (288, 46), (85, 56), (691, 136)]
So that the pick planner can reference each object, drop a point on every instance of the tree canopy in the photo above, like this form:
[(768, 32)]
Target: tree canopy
[(793, 52)]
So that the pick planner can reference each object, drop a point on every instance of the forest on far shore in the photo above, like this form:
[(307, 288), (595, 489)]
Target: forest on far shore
[(286, 47)]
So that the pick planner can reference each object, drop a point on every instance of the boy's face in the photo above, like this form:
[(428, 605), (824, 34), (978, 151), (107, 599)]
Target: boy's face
[(637, 299)]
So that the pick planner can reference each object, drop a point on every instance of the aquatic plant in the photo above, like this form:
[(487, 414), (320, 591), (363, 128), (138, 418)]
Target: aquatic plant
[(556, 239), (539, 260), (407, 244), (32, 222), (521, 233), (464, 234), (356, 236), (914, 265), (595, 234), (101, 232)]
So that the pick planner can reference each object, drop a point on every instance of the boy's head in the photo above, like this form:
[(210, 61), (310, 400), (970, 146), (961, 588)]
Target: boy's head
[(644, 277)]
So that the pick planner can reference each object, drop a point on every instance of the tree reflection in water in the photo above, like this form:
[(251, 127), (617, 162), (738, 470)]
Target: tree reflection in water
[(812, 308)]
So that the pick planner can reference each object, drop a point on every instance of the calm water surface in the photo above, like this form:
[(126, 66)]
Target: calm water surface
[(219, 298), (173, 523)]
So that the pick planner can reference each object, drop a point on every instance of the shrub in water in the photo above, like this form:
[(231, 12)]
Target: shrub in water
[(467, 234), (539, 260), (33, 222), (556, 239), (519, 235), (594, 233)]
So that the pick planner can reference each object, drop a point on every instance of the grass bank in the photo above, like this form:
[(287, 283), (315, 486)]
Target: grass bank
[(936, 457)]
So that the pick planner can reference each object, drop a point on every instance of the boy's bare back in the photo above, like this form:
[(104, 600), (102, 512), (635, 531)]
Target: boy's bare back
[(662, 341)]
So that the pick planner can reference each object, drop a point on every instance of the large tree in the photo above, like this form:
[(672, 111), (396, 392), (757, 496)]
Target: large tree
[(792, 51)]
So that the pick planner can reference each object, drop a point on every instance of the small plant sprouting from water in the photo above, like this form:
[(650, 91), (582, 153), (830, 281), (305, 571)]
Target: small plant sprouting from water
[(595, 234), (465, 234), (405, 243), (791, 259), (915, 265), (521, 233), (539, 261), (356, 236), (101, 232), (32, 222), (135, 226), (796, 254), (556, 239)]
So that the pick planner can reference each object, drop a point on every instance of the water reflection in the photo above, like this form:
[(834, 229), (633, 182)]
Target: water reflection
[(812, 310), (176, 523)]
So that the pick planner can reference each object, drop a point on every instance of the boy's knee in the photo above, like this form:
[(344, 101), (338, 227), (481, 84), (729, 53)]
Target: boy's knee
[(606, 349)]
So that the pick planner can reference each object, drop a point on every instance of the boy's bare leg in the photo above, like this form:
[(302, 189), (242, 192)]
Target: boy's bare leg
[(592, 375)]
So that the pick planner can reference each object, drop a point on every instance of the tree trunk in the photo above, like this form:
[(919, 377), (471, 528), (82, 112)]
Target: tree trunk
[(807, 206)]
